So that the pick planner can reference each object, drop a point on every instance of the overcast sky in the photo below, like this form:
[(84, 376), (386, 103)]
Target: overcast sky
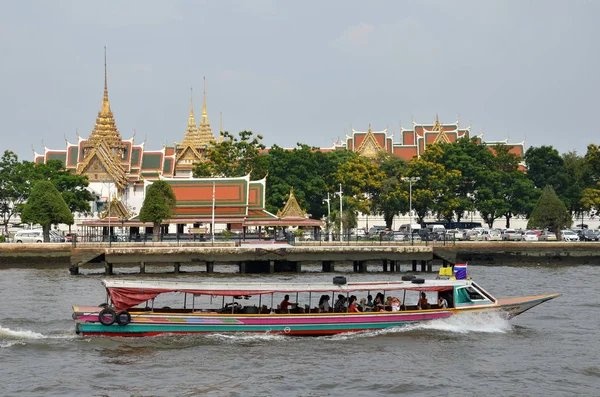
[(300, 71)]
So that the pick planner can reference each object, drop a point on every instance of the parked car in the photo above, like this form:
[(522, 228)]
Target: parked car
[(474, 234), (569, 235), (512, 235), (530, 235), (395, 236), (491, 235), (29, 236), (588, 235), (455, 234), (375, 231), (547, 236)]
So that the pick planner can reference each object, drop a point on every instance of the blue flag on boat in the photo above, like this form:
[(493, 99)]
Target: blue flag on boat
[(460, 271)]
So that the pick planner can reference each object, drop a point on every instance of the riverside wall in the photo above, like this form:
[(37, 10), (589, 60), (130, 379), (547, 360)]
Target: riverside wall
[(475, 253)]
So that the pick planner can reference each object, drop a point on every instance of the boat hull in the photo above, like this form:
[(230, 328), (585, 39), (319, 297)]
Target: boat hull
[(288, 324)]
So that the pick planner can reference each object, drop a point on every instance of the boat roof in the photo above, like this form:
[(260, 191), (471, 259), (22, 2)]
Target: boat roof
[(256, 288)]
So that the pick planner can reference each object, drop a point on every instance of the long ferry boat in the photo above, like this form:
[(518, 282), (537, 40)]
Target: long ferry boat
[(210, 307)]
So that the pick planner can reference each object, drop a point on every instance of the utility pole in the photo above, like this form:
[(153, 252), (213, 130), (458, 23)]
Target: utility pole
[(213, 214), (328, 200), (340, 193), (410, 181)]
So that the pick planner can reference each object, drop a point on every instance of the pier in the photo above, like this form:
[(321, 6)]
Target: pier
[(268, 258), (274, 258)]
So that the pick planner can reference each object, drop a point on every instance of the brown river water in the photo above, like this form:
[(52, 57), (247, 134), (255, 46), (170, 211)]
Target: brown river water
[(551, 350)]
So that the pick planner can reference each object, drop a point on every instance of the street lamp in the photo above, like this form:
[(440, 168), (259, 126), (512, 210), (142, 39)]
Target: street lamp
[(341, 213), (410, 181), (328, 200)]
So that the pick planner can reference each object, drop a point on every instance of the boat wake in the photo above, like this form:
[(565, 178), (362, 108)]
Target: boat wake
[(475, 322), (247, 337), (10, 337)]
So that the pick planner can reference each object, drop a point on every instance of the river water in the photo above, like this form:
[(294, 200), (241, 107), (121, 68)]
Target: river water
[(551, 350)]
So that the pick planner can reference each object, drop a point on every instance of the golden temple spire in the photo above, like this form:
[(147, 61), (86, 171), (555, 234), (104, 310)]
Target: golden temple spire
[(191, 119), (204, 114), (105, 103), (204, 130), (105, 128), (191, 137)]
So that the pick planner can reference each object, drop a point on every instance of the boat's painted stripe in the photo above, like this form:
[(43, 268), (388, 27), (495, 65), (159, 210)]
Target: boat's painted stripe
[(139, 329), (299, 319)]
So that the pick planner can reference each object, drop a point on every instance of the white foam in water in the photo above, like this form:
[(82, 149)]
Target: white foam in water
[(484, 321), (463, 323), (7, 333), (247, 337)]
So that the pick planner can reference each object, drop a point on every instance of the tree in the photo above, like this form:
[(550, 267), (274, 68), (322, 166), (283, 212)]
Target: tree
[(545, 166), (390, 199), (436, 190), (302, 168), (550, 212), (361, 179), (474, 160), (46, 207), (158, 205), (72, 187), (234, 156)]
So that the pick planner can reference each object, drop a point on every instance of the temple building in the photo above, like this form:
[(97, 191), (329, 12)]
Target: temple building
[(120, 171), (414, 141)]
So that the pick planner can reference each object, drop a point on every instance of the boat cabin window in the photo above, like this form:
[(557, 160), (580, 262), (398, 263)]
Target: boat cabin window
[(468, 294)]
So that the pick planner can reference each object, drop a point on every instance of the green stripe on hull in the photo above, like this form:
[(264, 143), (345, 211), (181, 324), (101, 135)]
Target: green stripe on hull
[(176, 328)]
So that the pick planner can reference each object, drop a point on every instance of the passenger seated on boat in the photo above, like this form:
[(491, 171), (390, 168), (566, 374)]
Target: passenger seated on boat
[(363, 305), (442, 303), (395, 304), (353, 308), (369, 304), (423, 304), (388, 303), (378, 304), (285, 303), (324, 305), (340, 305)]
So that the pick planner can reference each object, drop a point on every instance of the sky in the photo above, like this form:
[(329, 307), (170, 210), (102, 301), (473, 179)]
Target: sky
[(303, 72)]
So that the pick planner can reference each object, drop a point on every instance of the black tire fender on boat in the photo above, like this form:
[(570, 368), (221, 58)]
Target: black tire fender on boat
[(418, 281), (408, 277), (123, 318), (107, 316)]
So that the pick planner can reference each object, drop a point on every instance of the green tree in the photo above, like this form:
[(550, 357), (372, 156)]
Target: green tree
[(474, 160), (361, 180), (46, 207), (550, 212), (158, 205), (72, 187), (436, 190), (390, 199), (301, 168), (234, 156), (12, 189)]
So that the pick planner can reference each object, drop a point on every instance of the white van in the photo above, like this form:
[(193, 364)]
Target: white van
[(415, 227), (28, 236), (440, 229)]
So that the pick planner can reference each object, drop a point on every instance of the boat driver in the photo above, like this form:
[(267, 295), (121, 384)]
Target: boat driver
[(285, 303)]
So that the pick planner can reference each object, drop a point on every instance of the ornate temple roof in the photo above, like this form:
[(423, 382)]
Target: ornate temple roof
[(369, 147), (204, 130), (105, 128), (192, 140), (292, 208)]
